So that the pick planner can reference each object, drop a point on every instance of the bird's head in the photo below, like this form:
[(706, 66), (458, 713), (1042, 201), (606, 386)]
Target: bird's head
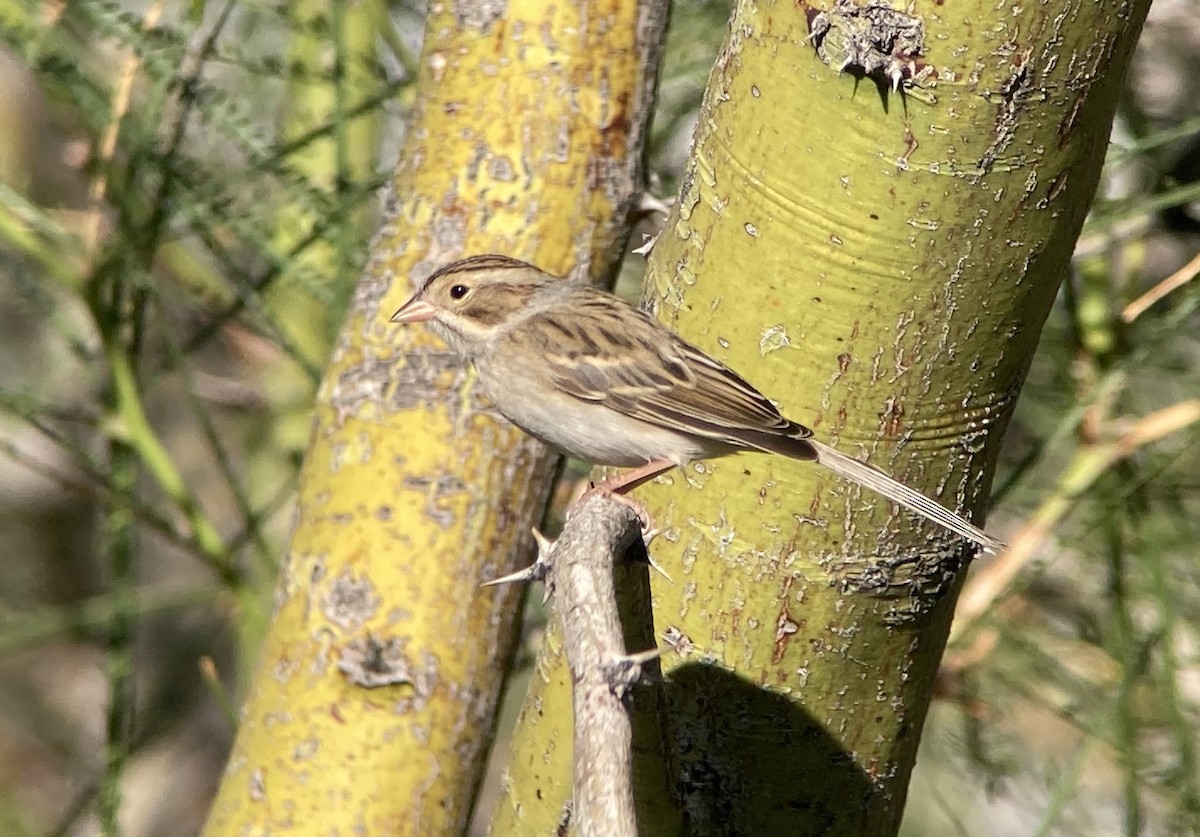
[(470, 301)]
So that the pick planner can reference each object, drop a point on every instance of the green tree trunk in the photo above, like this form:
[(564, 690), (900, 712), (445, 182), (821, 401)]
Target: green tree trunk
[(374, 701), (881, 263)]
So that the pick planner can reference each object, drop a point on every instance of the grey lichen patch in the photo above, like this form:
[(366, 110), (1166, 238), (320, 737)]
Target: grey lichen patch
[(306, 749), (301, 571), (479, 14), (437, 490), (351, 601), (368, 382), (912, 582), (373, 663), (564, 818), (501, 168), (872, 39), (258, 785), (283, 670), (377, 277), (418, 379), (320, 656)]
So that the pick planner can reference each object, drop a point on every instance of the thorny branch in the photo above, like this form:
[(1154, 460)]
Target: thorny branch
[(578, 571)]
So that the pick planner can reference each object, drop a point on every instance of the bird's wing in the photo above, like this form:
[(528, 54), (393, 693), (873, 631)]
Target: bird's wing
[(608, 353)]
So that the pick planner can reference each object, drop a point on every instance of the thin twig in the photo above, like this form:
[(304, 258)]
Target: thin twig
[(119, 532), (1173, 282), (23, 631), (107, 146), (94, 484)]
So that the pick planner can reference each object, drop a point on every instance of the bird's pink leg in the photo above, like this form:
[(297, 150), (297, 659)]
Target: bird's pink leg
[(632, 478), (615, 487)]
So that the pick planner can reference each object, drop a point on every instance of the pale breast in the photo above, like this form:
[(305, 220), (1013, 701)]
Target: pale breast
[(582, 429)]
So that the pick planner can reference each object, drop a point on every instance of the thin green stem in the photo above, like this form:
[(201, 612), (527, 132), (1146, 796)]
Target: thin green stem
[(1185, 774), (28, 230), (1065, 790), (102, 613), (265, 551), (346, 239), (119, 539), (134, 427), (98, 485), (1124, 643)]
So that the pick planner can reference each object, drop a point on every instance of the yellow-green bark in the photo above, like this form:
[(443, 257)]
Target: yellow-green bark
[(330, 76), (881, 265), (525, 140)]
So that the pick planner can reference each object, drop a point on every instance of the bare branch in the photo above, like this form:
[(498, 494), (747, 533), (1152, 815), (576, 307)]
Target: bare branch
[(581, 564)]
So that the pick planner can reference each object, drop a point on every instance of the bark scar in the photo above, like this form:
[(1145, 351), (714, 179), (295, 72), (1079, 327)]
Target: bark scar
[(871, 39)]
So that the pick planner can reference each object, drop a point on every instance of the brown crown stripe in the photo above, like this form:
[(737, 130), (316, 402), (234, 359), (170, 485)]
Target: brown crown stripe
[(474, 264)]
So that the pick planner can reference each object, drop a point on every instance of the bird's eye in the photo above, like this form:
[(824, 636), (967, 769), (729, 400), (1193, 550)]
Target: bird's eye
[(458, 291)]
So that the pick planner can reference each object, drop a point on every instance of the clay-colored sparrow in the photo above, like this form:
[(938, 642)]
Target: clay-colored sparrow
[(608, 384)]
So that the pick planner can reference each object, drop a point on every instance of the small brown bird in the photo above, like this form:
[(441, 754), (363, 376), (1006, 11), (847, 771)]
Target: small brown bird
[(606, 383)]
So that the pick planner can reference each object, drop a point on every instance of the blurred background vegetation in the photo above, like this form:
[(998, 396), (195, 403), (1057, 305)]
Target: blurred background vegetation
[(187, 191)]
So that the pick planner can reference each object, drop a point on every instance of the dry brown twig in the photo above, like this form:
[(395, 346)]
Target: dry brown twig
[(107, 146), (1172, 283), (578, 571)]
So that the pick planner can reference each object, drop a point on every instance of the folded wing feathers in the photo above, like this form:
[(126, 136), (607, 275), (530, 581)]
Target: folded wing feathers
[(643, 370)]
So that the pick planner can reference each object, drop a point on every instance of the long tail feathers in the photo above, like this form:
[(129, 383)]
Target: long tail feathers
[(874, 479)]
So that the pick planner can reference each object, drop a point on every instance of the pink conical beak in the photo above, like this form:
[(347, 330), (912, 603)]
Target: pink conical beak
[(414, 311)]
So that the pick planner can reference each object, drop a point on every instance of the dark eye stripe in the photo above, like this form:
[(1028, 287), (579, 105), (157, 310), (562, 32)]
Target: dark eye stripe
[(483, 314)]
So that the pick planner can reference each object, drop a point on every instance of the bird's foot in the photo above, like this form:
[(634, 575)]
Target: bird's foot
[(616, 486), (607, 491)]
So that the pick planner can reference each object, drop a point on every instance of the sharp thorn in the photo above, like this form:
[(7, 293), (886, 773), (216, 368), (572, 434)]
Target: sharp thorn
[(534, 572), (544, 544), (643, 657), (657, 567)]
